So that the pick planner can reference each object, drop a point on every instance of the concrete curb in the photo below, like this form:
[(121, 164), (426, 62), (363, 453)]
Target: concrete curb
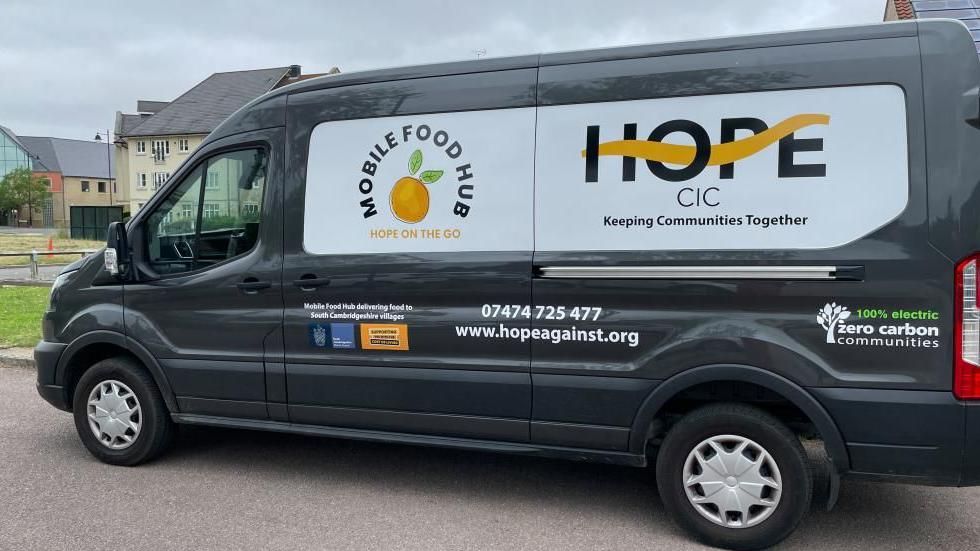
[(17, 357)]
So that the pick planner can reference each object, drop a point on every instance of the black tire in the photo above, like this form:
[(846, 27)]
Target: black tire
[(748, 422), (156, 430)]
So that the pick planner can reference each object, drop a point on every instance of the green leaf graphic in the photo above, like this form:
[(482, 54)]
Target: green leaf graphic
[(430, 176), (415, 161)]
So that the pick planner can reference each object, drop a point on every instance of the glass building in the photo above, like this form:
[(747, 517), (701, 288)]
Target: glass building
[(13, 154)]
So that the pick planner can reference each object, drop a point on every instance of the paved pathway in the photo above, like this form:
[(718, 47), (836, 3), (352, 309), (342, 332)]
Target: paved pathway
[(27, 231), (23, 273)]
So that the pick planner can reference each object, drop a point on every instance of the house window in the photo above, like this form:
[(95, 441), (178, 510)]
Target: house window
[(210, 210), (250, 209), (85, 187), (101, 187), (159, 178), (187, 210), (161, 150), (141, 180), (141, 147), (46, 182), (212, 180), (114, 188), (183, 145)]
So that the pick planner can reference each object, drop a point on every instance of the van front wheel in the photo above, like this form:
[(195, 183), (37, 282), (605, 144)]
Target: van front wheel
[(734, 476), (119, 413)]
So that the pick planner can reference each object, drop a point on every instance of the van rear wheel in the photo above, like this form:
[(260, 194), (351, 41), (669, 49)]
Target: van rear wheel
[(119, 413), (734, 477)]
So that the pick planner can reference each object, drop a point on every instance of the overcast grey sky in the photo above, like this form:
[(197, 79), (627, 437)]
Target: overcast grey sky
[(67, 67)]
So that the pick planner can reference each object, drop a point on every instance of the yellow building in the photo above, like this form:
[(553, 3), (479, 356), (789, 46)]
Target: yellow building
[(79, 174), (152, 143)]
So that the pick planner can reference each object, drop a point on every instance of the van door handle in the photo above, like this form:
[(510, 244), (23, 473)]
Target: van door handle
[(251, 285), (308, 282)]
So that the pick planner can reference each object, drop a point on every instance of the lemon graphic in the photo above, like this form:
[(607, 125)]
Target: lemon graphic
[(409, 197)]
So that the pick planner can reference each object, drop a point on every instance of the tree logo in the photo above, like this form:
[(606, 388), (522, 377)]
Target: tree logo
[(830, 316)]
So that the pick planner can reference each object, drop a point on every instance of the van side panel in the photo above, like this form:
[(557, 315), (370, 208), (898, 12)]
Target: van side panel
[(421, 380), (687, 322), (951, 76)]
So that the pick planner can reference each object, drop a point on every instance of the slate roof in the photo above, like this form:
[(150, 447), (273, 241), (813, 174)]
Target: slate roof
[(76, 158), (202, 108), (126, 122), (43, 155), (148, 106)]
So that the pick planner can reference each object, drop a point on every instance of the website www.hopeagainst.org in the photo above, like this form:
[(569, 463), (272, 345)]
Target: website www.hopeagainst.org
[(555, 336)]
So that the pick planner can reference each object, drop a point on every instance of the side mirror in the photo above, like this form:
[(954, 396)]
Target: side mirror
[(116, 254), (257, 170)]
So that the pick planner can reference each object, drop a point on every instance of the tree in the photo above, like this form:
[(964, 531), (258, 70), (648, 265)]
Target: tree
[(20, 187)]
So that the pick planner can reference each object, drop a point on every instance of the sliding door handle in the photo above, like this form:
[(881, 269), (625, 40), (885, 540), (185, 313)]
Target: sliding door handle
[(250, 285), (308, 282)]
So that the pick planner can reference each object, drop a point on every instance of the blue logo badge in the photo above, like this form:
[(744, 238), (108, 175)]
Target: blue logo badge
[(342, 335)]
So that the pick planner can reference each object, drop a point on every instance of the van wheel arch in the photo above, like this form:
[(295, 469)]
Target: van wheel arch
[(91, 348), (648, 417)]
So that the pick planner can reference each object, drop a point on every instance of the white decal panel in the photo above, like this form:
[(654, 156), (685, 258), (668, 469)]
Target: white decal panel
[(797, 169), (421, 183)]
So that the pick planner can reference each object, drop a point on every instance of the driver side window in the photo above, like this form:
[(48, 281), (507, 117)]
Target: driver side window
[(211, 216)]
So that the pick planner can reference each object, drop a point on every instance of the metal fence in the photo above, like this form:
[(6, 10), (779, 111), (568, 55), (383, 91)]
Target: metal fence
[(35, 255)]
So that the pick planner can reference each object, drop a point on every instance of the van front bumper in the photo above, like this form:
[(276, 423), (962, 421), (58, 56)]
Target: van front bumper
[(46, 357)]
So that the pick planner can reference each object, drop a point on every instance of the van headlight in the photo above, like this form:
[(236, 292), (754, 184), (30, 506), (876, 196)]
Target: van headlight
[(59, 282)]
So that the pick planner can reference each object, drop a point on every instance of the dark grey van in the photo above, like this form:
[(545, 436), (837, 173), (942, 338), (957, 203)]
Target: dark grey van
[(692, 255)]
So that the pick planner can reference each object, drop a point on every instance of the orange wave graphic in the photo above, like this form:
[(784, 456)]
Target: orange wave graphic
[(721, 154)]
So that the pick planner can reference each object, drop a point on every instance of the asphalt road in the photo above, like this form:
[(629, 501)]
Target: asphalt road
[(225, 489)]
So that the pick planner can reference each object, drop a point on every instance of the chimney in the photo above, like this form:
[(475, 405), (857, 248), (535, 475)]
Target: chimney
[(294, 71)]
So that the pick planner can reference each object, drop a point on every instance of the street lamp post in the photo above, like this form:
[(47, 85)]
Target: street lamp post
[(30, 198), (108, 161)]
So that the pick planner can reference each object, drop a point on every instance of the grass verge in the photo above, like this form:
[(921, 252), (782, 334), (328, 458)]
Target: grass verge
[(21, 309)]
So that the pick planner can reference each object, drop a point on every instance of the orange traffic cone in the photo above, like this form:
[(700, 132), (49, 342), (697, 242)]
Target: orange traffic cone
[(50, 246)]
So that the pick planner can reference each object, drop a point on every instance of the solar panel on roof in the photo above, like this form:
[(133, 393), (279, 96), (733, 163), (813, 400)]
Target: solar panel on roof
[(951, 14), (924, 5), (967, 11)]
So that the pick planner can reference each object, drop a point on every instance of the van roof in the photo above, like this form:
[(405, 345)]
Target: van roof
[(907, 28), (814, 36)]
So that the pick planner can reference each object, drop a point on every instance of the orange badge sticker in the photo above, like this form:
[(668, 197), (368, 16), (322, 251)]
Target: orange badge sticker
[(384, 336)]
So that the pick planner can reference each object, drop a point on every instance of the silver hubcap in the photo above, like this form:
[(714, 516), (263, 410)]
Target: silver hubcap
[(732, 481), (114, 414)]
